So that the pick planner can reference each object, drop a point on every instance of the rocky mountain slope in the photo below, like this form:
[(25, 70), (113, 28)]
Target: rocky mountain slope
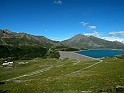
[(21, 39), (85, 42), (78, 41)]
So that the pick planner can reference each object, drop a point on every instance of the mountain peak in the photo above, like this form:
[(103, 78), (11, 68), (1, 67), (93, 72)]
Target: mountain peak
[(83, 42), (22, 39), (79, 41)]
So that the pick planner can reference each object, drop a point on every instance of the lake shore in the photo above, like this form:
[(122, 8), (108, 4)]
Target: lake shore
[(101, 53), (75, 56)]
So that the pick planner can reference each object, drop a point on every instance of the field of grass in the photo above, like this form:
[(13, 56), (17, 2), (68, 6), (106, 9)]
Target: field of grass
[(68, 76)]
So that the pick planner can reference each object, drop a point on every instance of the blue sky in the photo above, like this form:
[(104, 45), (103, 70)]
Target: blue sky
[(62, 19)]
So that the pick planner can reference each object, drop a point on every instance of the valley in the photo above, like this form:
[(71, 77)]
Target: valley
[(41, 65)]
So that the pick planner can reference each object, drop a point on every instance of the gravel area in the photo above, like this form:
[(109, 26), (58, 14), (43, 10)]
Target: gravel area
[(73, 55)]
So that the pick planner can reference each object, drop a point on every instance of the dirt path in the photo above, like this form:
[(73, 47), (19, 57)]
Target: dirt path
[(73, 55), (47, 69), (83, 68), (30, 74)]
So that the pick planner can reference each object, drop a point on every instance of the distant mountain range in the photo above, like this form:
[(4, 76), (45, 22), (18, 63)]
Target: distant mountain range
[(78, 41), (87, 42), (22, 39)]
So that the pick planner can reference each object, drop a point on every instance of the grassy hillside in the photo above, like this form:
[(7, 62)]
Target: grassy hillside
[(68, 76)]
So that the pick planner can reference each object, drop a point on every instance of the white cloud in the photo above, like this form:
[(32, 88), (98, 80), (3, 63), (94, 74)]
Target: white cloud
[(58, 2), (55, 39), (114, 39), (109, 38), (95, 34), (118, 33), (92, 27), (84, 23)]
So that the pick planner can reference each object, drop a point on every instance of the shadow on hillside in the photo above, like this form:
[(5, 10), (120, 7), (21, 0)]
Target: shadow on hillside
[(3, 91)]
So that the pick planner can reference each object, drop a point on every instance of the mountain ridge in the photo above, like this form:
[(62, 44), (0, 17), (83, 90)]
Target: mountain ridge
[(84, 42), (79, 41), (8, 38)]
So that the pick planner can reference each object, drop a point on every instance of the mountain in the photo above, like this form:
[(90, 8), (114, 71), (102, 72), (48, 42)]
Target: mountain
[(85, 42), (22, 39), (78, 41)]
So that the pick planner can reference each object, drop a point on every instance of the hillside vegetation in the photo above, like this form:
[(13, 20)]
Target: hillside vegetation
[(37, 69), (29, 52), (67, 76), (23, 39), (23, 52), (78, 41)]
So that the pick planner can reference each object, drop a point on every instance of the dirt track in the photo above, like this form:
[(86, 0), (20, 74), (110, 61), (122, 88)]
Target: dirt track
[(73, 55)]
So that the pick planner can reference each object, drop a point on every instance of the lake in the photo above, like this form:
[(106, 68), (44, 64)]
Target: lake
[(99, 53)]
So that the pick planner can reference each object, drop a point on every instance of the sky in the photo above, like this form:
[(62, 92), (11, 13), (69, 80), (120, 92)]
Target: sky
[(62, 19)]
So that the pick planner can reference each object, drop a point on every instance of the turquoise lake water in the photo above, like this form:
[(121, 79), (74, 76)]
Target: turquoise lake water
[(99, 53)]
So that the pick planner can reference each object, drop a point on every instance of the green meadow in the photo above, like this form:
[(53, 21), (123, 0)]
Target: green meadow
[(67, 76)]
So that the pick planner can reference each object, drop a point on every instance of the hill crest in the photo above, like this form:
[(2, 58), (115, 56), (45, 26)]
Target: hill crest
[(79, 41)]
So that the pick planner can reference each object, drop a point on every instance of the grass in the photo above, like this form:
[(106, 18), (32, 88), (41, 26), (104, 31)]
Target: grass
[(60, 78)]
